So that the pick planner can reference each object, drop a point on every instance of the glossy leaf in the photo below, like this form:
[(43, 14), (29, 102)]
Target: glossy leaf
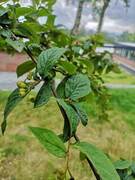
[(77, 50), (6, 33), (122, 164), (81, 113), (23, 11), (71, 114), (43, 95), (3, 11), (47, 59), (61, 89), (50, 21), (17, 45), (12, 101), (29, 30), (68, 67), (24, 68), (50, 141), (89, 66), (99, 160), (77, 86)]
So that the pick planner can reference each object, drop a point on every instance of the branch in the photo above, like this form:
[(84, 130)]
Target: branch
[(77, 140), (26, 49), (67, 162)]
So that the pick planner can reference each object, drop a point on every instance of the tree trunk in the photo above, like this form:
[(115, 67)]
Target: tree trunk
[(77, 22), (102, 15)]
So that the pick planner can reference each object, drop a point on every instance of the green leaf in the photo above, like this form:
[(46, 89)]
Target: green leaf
[(43, 95), (68, 67), (12, 101), (3, 11), (50, 3), (61, 88), (24, 68), (71, 114), (6, 33), (77, 86), (43, 12), (50, 21), (81, 113), (99, 160), (50, 141), (77, 49), (17, 45), (89, 66), (82, 156), (122, 164), (30, 30), (133, 168), (23, 11), (47, 59)]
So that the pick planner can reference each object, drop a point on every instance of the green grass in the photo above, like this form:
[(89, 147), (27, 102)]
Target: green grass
[(120, 78), (124, 102), (22, 157)]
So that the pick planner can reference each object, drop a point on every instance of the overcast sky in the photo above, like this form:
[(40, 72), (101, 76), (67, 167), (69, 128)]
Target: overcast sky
[(118, 19)]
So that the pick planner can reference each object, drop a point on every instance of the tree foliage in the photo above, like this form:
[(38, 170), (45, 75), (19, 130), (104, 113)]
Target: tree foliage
[(50, 51)]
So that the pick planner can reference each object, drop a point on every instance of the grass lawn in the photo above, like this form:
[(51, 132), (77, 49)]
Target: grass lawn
[(23, 158), (120, 78)]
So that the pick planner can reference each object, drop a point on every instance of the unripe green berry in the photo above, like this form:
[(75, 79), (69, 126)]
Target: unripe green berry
[(21, 84), (84, 71), (22, 92), (31, 98)]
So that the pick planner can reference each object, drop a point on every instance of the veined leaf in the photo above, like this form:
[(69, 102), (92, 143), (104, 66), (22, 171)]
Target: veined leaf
[(89, 66), (6, 33), (17, 45), (81, 113), (99, 160), (23, 11), (71, 114), (68, 67), (47, 59), (50, 141), (77, 50), (122, 164), (29, 30), (43, 95), (77, 86), (24, 68), (50, 20), (13, 100), (61, 89), (3, 11)]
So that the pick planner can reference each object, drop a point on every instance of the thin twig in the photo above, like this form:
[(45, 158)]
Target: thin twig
[(26, 49)]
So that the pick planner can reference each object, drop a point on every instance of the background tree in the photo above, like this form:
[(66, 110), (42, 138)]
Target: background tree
[(77, 22), (127, 37), (100, 6)]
